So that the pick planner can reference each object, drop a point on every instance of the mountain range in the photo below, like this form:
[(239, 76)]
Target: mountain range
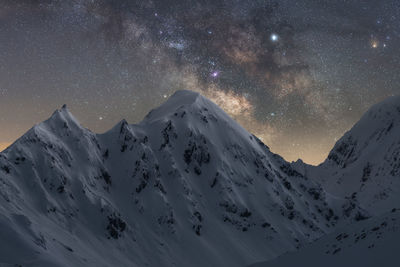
[(188, 186)]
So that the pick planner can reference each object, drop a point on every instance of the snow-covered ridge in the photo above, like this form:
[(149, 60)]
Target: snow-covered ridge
[(377, 126), (365, 163), (179, 99), (177, 189)]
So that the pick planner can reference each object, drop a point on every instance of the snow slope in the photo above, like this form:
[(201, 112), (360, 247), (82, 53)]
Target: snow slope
[(370, 243), (365, 163), (187, 186)]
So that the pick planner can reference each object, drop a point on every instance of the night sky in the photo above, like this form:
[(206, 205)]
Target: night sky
[(298, 74)]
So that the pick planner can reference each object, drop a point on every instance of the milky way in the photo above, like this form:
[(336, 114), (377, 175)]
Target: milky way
[(298, 74)]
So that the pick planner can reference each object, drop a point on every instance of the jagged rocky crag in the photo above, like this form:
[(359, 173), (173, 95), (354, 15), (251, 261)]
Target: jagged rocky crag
[(187, 186)]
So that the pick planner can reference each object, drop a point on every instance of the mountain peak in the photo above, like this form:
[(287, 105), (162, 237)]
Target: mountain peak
[(119, 127), (189, 174), (184, 96), (62, 115), (386, 111), (376, 130), (178, 100), (364, 163), (60, 120), (181, 98)]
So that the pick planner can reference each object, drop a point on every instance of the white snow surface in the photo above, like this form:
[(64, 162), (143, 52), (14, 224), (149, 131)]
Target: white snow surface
[(187, 186), (370, 243), (365, 163)]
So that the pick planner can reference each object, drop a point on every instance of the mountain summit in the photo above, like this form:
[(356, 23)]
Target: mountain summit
[(187, 186), (179, 100)]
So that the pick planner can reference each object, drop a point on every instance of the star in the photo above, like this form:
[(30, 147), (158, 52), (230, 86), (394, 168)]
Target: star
[(215, 74), (374, 44), (274, 37), (292, 58)]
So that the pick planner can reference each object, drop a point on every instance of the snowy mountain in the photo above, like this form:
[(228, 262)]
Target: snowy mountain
[(187, 186), (364, 165), (370, 243)]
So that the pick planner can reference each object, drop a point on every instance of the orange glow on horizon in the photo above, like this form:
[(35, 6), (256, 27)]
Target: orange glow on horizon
[(4, 145)]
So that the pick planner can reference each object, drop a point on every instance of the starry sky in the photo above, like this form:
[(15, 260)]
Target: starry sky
[(297, 74)]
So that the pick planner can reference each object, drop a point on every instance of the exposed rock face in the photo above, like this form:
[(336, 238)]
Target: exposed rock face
[(365, 163), (177, 189)]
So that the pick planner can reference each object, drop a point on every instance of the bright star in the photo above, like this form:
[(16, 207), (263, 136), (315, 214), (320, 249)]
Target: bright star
[(374, 44), (274, 37), (215, 74)]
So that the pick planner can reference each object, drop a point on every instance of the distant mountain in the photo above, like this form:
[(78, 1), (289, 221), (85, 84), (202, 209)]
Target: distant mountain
[(364, 165), (187, 186)]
